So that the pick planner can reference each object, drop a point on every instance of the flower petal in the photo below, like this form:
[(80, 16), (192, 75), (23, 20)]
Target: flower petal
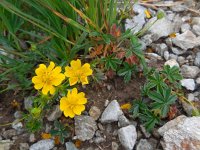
[(69, 72), (84, 80), (51, 66), (82, 101), (58, 79), (86, 69), (73, 80), (37, 79), (63, 104), (52, 90), (69, 113), (46, 89), (41, 70), (38, 86), (74, 91), (78, 109), (56, 70), (76, 64)]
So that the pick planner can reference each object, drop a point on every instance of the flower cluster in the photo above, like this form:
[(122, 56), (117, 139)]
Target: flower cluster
[(48, 78)]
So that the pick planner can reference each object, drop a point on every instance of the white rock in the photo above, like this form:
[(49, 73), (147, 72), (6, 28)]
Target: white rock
[(160, 48), (70, 146), (196, 20), (172, 63), (17, 125), (123, 121), (28, 102), (111, 113), (144, 145), (5, 144), (127, 136), (136, 24), (46, 144), (161, 28), (23, 146), (177, 50), (85, 127), (189, 84), (94, 112), (197, 59), (186, 40), (196, 29), (181, 60), (166, 55), (185, 27), (182, 134), (198, 80), (173, 56), (189, 71)]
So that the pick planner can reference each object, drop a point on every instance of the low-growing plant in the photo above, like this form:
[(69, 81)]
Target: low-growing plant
[(52, 83), (158, 94)]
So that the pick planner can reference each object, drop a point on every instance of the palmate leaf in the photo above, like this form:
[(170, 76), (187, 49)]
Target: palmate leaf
[(172, 73), (162, 100), (137, 107), (127, 71), (149, 119), (111, 62)]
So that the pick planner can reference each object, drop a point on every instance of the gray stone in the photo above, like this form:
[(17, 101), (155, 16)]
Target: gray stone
[(197, 59), (145, 132), (186, 40), (46, 144), (144, 145), (169, 42), (127, 136), (185, 27), (181, 60), (7, 134), (85, 127), (166, 55), (153, 56), (198, 80), (137, 22), (191, 97), (23, 146), (179, 8), (187, 108), (98, 140), (28, 102), (111, 113), (123, 121), (186, 18), (18, 114), (160, 48), (189, 84), (173, 56), (177, 22), (94, 112), (171, 124), (55, 113), (196, 29), (172, 63), (181, 134), (6, 144), (177, 50), (115, 146), (189, 71), (70, 146), (164, 25), (32, 138), (196, 20), (147, 39), (17, 125)]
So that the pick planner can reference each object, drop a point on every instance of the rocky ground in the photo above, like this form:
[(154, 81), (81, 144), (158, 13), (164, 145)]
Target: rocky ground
[(173, 40)]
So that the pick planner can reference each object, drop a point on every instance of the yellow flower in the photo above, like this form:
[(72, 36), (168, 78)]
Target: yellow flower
[(78, 73), (73, 104), (47, 78)]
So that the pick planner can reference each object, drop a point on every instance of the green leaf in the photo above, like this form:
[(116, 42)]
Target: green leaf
[(127, 71), (111, 62)]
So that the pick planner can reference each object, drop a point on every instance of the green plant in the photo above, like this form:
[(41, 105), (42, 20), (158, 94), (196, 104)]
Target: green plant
[(157, 96), (60, 130)]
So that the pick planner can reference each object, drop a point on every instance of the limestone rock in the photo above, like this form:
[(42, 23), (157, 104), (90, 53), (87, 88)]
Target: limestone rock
[(127, 136), (186, 40), (85, 127), (111, 113)]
